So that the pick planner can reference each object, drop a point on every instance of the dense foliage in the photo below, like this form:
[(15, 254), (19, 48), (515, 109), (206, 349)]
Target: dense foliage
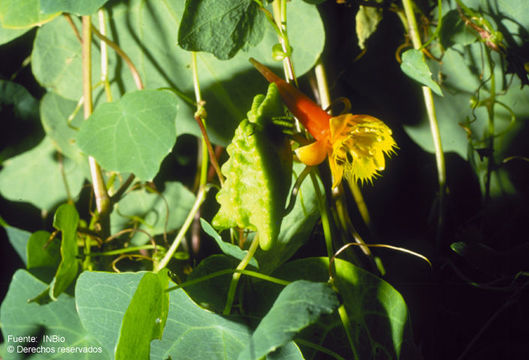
[(155, 206)]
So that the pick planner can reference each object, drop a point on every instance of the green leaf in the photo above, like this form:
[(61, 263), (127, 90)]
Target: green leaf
[(61, 119), (188, 325), (414, 65), (41, 252), (454, 31), (133, 134), (56, 60), (18, 238), (377, 314), (258, 173), (221, 27), (66, 221), (300, 304), (36, 177), (296, 227), (6, 35), (18, 318), (85, 7), (211, 293), (23, 14), (226, 248), (366, 20), (156, 213), (102, 300), (147, 34), (145, 317), (462, 128), (376, 311)]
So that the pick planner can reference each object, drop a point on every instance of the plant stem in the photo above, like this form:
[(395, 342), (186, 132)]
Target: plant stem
[(413, 31), (124, 56), (236, 276), (279, 8), (490, 128), (199, 117), (215, 274), (344, 317), (98, 183), (183, 230)]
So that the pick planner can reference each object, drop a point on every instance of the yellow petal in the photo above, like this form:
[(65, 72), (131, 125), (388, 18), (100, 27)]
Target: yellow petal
[(312, 154), (359, 145)]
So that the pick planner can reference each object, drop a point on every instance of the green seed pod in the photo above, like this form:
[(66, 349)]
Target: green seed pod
[(258, 172)]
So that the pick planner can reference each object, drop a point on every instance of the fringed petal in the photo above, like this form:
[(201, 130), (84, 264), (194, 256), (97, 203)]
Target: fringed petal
[(359, 145)]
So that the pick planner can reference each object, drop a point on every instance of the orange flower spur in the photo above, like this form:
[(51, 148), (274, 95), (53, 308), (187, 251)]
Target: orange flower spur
[(356, 145)]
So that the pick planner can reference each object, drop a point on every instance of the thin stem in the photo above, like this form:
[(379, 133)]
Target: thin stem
[(236, 276), (104, 56), (324, 212), (187, 223), (490, 128), (123, 55), (215, 274), (344, 317), (413, 31), (279, 8), (98, 183), (199, 117)]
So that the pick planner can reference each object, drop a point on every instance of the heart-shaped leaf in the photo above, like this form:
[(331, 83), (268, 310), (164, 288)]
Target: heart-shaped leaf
[(133, 134)]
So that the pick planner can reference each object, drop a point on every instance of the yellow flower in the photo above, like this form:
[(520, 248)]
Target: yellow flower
[(358, 146)]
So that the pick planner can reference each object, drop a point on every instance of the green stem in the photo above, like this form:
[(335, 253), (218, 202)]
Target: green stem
[(324, 213), (125, 250), (187, 223), (98, 183), (215, 274), (432, 117), (236, 276), (344, 317), (124, 56), (490, 128), (200, 119)]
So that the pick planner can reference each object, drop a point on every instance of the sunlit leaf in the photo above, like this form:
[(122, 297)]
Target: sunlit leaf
[(23, 14), (258, 173), (296, 227), (102, 299), (221, 27), (61, 119), (367, 19), (20, 318), (145, 317), (227, 248), (85, 7), (299, 304), (377, 312), (66, 220), (133, 134), (56, 59), (414, 65), (41, 252), (18, 239), (6, 35), (148, 36), (35, 177), (159, 213)]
